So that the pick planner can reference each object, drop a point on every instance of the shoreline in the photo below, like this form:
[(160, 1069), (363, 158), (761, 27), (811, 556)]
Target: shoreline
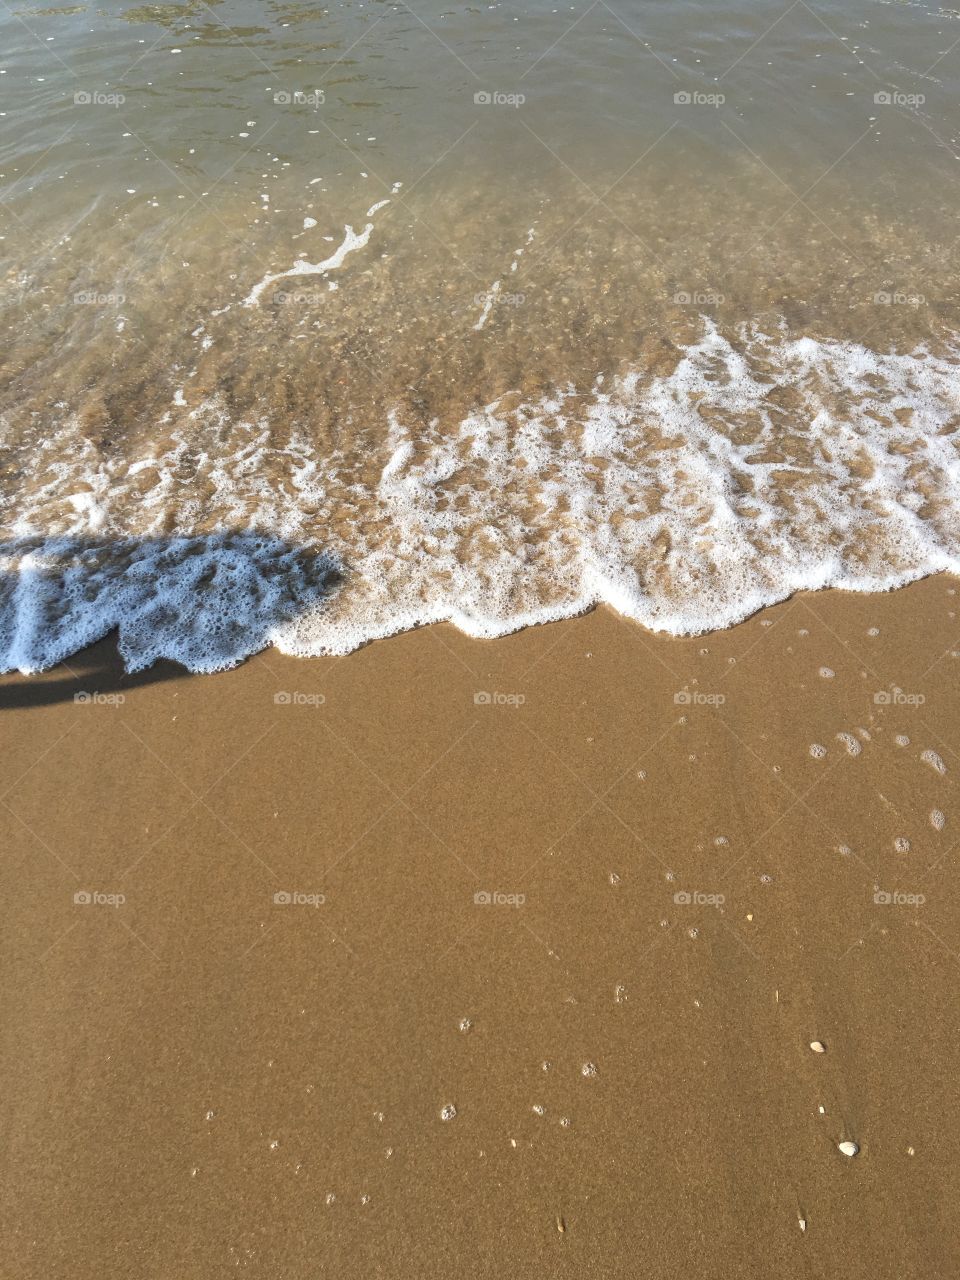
[(278, 635)]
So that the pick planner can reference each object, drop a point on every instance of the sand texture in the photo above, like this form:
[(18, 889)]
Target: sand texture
[(564, 913)]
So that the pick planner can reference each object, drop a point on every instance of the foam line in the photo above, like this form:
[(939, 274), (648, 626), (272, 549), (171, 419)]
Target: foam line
[(352, 241), (758, 466)]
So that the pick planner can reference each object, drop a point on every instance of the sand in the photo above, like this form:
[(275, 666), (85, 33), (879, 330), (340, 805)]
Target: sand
[(199, 1079)]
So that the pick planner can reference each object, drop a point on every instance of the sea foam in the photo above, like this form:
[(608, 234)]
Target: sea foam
[(758, 466)]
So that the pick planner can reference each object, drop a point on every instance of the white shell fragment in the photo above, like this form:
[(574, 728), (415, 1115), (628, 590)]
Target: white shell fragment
[(848, 1148), (818, 1046)]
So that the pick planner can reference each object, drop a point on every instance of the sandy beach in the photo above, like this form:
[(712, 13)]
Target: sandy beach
[(479, 639), (484, 959)]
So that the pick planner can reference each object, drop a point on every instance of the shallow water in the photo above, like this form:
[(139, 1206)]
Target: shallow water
[(483, 313)]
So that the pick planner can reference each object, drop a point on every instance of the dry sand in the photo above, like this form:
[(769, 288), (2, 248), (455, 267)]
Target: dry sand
[(199, 1080)]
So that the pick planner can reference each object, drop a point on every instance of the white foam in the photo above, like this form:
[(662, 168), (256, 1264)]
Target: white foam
[(352, 241), (489, 299), (685, 501)]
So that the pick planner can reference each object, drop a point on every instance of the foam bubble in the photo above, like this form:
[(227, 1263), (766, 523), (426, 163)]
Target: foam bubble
[(933, 760)]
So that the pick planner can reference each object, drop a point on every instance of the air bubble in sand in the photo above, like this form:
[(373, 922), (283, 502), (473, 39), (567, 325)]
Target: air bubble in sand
[(448, 1111), (817, 750), (826, 673), (933, 760), (589, 1070), (937, 819), (853, 747)]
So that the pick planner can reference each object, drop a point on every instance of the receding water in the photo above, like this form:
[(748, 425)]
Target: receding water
[(482, 313)]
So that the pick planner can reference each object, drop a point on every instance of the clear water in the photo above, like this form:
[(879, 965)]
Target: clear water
[(320, 323)]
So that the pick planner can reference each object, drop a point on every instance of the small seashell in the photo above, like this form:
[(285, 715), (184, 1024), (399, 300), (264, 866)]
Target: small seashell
[(818, 1046), (848, 1148)]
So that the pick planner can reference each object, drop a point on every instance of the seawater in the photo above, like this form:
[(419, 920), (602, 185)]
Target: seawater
[(323, 323)]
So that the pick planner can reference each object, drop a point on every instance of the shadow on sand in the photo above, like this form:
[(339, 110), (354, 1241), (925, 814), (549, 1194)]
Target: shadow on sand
[(170, 606)]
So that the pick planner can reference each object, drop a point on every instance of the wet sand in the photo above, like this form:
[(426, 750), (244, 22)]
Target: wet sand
[(199, 1079)]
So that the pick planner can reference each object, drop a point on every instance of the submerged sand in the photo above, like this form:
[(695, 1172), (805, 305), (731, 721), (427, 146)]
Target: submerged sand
[(700, 856)]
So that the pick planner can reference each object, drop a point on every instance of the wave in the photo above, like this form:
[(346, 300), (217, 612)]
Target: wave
[(759, 465)]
